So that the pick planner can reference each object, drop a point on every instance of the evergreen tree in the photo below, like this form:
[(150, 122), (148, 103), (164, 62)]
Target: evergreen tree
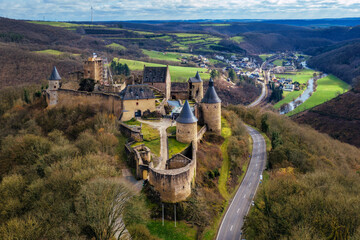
[(232, 75)]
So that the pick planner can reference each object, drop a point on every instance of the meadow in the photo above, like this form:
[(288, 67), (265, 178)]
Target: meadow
[(327, 89), (265, 56), (116, 46), (302, 76), (237, 39), (178, 74), (166, 56)]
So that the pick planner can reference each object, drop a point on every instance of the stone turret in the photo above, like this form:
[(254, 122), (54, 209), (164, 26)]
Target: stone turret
[(195, 88), (54, 85), (186, 125), (211, 109)]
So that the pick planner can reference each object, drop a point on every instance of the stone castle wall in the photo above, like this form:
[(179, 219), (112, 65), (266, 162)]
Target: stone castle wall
[(211, 114), (134, 133), (106, 101), (174, 185)]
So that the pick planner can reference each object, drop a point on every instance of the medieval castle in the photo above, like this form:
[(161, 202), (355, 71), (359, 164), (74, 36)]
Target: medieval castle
[(174, 183)]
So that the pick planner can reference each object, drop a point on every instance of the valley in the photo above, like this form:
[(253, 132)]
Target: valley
[(195, 113)]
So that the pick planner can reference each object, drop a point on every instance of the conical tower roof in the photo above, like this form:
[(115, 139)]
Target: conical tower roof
[(211, 95), (55, 76), (197, 78), (186, 115)]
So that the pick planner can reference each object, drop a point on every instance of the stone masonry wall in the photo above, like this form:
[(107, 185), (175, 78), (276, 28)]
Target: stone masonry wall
[(211, 114), (105, 101), (186, 133)]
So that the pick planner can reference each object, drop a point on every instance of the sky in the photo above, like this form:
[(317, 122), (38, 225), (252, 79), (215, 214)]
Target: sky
[(107, 10)]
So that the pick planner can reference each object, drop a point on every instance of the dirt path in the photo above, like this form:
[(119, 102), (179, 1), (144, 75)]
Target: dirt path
[(161, 125)]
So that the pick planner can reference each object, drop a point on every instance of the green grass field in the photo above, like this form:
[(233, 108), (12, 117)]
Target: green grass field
[(278, 62), (302, 77), (327, 88), (175, 146), (178, 74), (116, 46), (237, 39), (182, 231), (264, 56), (63, 24), (224, 171), (50, 51), (167, 56)]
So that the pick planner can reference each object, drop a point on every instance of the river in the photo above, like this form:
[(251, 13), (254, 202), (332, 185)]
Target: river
[(304, 96)]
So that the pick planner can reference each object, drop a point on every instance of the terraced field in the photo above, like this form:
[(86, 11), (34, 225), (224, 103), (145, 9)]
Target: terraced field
[(166, 56), (178, 74)]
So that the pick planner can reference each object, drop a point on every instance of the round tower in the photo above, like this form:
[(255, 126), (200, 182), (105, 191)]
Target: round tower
[(54, 85), (211, 109), (186, 125)]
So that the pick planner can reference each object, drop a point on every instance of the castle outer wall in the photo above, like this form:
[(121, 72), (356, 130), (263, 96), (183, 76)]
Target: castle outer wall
[(109, 102), (174, 185)]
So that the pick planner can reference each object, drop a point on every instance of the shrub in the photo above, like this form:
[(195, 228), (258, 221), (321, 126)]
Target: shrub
[(87, 143)]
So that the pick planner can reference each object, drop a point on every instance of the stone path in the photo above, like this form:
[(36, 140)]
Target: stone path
[(161, 125)]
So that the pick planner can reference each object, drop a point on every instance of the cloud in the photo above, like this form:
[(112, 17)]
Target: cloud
[(176, 9)]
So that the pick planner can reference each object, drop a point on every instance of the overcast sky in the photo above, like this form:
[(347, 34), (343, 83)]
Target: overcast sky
[(79, 10)]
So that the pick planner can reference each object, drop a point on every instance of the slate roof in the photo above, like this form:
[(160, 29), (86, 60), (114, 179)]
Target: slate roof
[(195, 79), (186, 116), (134, 92), (211, 95), (55, 76), (154, 74)]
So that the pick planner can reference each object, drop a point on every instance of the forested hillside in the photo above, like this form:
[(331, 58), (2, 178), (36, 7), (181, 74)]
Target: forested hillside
[(339, 117), (343, 61), (313, 186)]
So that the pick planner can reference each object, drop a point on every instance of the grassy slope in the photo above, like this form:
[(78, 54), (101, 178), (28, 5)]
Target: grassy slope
[(169, 232), (278, 62), (151, 136), (237, 39), (178, 74), (175, 146), (327, 89), (116, 46), (167, 56), (224, 172), (302, 77), (264, 56)]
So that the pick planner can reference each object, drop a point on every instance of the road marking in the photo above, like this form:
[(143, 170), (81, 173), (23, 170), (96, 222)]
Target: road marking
[(249, 183), (256, 165), (238, 210), (253, 174), (231, 228), (244, 196)]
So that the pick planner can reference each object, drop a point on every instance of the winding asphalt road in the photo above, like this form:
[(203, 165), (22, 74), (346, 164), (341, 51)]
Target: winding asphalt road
[(233, 220)]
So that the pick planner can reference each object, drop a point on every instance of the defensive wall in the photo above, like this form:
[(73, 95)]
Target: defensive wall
[(174, 183), (110, 102)]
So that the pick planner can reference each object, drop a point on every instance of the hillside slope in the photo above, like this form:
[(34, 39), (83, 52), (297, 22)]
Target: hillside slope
[(339, 117), (343, 62), (21, 65)]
